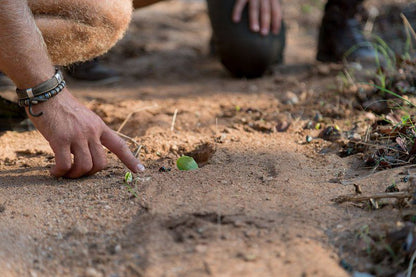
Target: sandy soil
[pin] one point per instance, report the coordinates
(260, 206)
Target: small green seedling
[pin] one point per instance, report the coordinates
(186, 163)
(128, 180)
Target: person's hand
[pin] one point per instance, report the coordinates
(264, 15)
(71, 128)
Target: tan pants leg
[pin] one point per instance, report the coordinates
(78, 30)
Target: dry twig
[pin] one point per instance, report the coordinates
(408, 25)
(131, 114)
(410, 268)
(132, 140)
(374, 174)
(172, 127)
(361, 198)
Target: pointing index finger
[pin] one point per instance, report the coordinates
(117, 145)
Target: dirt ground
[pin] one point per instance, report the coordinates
(260, 206)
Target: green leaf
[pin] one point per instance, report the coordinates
(128, 178)
(186, 163)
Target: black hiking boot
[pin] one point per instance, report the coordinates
(13, 117)
(340, 34)
(5, 82)
(92, 71)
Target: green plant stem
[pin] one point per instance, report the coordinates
(410, 268)
(393, 93)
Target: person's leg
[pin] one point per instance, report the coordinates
(137, 4)
(73, 31)
(5, 82)
(93, 70)
(79, 30)
(243, 52)
(340, 33)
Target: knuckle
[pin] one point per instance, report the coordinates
(120, 143)
(63, 167)
(98, 167)
(85, 167)
(58, 142)
(91, 131)
(102, 164)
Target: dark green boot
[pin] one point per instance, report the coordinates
(340, 34)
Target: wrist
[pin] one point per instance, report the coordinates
(29, 79)
(47, 106)
(41, 93)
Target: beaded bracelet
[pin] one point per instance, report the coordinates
(41, 93)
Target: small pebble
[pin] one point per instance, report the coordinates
(330, 133)
(309, 139)
(247, 257)
(324, 69)
(354, 137)
(92, 272)
(164, 169)
(201, 248)
(309, 125)
(290, 98)
(282, 126)
(370, 116)
(253, 88)
(318, 117)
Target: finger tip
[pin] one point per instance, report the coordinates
(255, 28)
(140, 168)
(53, 172)
(264, 32)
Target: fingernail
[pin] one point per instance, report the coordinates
(256, 28)
(140, 167)
(264, 31)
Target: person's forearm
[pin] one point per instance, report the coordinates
(23, 55)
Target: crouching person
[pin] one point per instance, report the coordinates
(35, 35)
